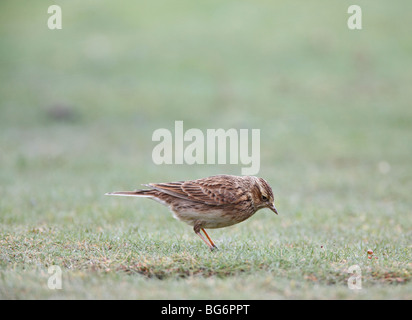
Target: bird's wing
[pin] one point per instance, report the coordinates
(216, 190)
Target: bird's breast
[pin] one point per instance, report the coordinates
(217, 217)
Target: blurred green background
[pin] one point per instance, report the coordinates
(78, 107)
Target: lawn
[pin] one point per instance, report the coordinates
(78, 107)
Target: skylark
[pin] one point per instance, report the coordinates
(209, 203)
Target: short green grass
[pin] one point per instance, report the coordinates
(78, 107)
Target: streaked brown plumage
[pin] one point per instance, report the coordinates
(213, 202)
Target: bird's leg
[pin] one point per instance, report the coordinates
(197, 229)
(211, 242)
(203, 238)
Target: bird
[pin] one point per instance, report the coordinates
(208, 203)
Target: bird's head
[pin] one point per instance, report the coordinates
(263, 195)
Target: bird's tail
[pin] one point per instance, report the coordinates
(136, 193)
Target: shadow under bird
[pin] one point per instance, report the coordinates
(209, 203)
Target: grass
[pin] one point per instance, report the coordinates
(78, 107)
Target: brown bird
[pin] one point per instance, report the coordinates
(213, 202)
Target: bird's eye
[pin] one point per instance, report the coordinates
(264, 198)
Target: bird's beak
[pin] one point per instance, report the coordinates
(272, 207)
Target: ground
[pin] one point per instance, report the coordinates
(79, 105)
